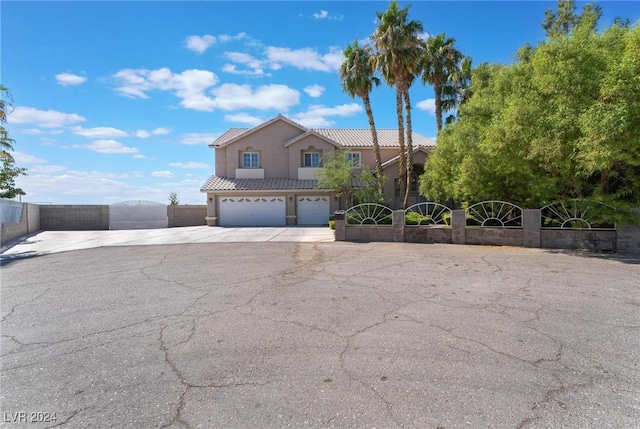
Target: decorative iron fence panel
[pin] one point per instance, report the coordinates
(496, 214)
(577, 214)
(369, 214)
(427, 214)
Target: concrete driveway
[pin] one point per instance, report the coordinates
(320, 335)
(45, 242)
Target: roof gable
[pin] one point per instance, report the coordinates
(235, 134)
(311, 133)
(397, 157)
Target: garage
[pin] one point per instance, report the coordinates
(313, 210)
(252, 211)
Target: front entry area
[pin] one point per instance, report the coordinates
(313, 210)
(252, 211)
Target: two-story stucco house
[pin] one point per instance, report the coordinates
(265, 176)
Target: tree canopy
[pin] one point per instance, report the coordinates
(8, 172)
(563, 121)
(354, 183)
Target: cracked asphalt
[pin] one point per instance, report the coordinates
(320, 335)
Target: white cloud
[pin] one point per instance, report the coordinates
(25, 158)
(198, 138)
(31, 131)
(200, 44)
(305, 58)
(99, 132)
(316, 116)
(256, 66)
(164, 173)
(314, 90)
(191, 164)
(43, 118)
(323, 14)
(68, 79)
(160, 131)
(62, 185)
(231, 96)
(109, 147)
(190, 85)
(143, 134)
(428, 105)
(244, 118)
(228, 38)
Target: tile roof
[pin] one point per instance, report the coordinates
(218, 183)
(361, 137)
(345, 137)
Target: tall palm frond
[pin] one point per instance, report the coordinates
(357, 73)
(398, 46)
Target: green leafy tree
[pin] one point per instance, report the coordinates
(563, 122)
(564, 19)
(173, 199)
(357, 74)
(8, 172)
(353, 184)
(398, 44)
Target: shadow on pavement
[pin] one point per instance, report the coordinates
(625, 258)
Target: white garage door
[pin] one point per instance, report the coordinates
(313, 210)
(252, 211)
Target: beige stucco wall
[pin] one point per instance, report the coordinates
(309, 143)
(269, 142)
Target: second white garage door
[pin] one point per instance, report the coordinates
(252, 211)
(313, 210)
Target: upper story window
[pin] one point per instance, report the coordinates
(250, 160)
(311, 159)
(353, 158)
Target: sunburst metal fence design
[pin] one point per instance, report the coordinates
(427, 214)
(577, 214)
(499, 214)
(369, 214)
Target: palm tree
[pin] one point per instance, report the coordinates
(357, 74)
(457, 90)
(440, 62)
(398, 43)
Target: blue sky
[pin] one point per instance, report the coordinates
(117, 101)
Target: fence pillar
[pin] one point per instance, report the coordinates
(458, 225)
(628, 238)
(341, 227)
(531, 223)
(398, 225)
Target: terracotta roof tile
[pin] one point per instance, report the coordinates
(218, 183)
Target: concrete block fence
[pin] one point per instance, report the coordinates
(625, 239)
(86, 217)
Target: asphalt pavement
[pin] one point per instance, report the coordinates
(319, 334)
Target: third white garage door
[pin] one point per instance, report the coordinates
(252, 211)
(313, 210)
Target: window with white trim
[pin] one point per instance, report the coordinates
(311, 159)
(250, 160)
(353, 158)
